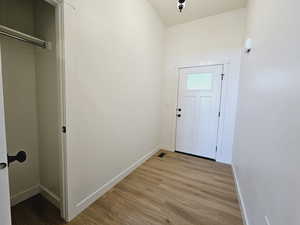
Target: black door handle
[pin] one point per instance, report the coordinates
(179, 115)
(20, 157)
(3, 166)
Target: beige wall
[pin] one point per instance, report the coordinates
(18, 64)
(266, 155)
(114, 56)
(48, 99)
(215, 39)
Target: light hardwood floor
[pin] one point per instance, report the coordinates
(177, 189)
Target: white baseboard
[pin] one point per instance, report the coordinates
(50, 196)
(240, 197)
(26, 194)
(224, 161)
(30, 192)
(110, 184)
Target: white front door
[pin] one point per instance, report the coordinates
(198, 110)
(4, 185)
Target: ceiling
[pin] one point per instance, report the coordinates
(195, 9)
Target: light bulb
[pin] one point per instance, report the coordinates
(181, 5)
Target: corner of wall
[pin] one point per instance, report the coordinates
(240, 196)
(50, 196)
(166, 148)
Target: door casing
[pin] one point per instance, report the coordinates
(224, 91)
(220, 69)
(59, 4)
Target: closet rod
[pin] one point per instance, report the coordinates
(23, 37)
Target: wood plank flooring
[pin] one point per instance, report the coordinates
(177, 189)
(36, 211)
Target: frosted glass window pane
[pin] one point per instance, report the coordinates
(201, 81)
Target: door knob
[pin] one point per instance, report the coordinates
(178, 115)
(20, 157)
(3, 166)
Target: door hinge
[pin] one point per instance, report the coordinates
(216, 148)
(219, 114)
(64, 129)
(222, 76)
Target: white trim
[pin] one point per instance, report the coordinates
(63, 206)
(35, 190)
(224, 98)
(240, 197)
(50, 196)
(61, 76)
(110, 184)
(219, 63)
(24, 195)
(59, 23)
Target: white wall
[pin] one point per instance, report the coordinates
(18, 64)
(266, 155)
(48, 99)
(216, 39)
(114, 56)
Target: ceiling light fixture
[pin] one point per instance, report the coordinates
(181, 5)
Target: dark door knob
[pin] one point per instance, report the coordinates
(20, 157)
(179, 115)
(3, 166)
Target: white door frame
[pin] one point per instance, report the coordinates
(59, 23)
(224, 92)
(63, 178)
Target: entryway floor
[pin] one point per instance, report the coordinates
(176, 189)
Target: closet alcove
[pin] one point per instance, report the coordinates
(31, 98)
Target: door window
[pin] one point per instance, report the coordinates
(202, 81)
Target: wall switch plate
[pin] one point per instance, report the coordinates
(267, 220)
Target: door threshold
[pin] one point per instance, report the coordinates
(197, 156)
